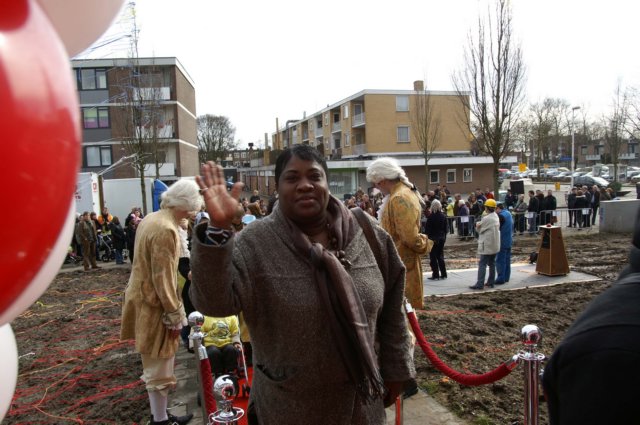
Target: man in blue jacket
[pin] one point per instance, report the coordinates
(503, 259)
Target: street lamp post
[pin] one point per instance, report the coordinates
(573, 142)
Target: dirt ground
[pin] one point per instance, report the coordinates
(73, 368)
(474, 333)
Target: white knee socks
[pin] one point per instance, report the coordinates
(158, 403)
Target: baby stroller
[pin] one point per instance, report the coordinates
(105, 247)
(72, 257)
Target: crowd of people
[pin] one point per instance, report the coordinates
(326, 280)
(95, 233)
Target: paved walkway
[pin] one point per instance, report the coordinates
(523, 275)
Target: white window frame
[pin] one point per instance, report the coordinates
(467, 175)
(345, 111)
(347, 139)
(451, 170)
(398, 134)
(402, 103)
(437, 180)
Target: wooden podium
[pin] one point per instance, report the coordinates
(552, 257)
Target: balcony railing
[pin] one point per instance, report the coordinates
(336, 126)
(319, 132)
(162, 132)
(593, 157)
(152, 93)
(359, 149)
(357, 120)
(628, 156)
(166, 169)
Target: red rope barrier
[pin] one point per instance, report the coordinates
(471, 380)
(207, 386)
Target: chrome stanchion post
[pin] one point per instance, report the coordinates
(224, 391)
(531, 337)
(196, 319)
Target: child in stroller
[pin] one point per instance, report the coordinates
(104, 248)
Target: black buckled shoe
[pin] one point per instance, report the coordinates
(180, 420)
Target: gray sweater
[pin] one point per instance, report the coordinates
(298, 374)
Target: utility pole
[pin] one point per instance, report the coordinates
(573, 142)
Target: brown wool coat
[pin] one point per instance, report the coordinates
(401, 218)
(298, 374)
(152, 298)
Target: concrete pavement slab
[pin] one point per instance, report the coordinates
(523, 275)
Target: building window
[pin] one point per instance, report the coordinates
(319, 122)
(95, 117)
(345, 111)
(631, 148)
(434, 176)
(451, 176)
(403, 134)
(583, 150)
(97, 156)
(402, 103)
(347, 139)
(597, 150)
(467, 175)
(326, 119)
(92, 79)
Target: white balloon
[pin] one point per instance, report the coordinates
(80, 22)
(9, 361)
(47, 272)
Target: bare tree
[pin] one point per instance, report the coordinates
(215, 137)
(491, 85)
(616, 126)
(632, 96)
(426, 125)
(141, 114)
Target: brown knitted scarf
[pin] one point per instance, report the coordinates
(347, 318)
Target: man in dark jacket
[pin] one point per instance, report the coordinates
(532, 212)
(591, 377)
(548, 205)
(595, 203)
(510, 199)
(571, 205)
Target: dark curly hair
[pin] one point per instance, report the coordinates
(304, 152)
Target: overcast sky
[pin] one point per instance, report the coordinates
(255, 60)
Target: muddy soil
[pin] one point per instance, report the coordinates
(474, 333)
(74, 369)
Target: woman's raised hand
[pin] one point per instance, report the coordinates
(220, 203)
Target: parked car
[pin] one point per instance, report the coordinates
(563, 176)
(590, 181)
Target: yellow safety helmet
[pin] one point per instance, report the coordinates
(491, 203)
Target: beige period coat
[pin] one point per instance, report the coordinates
(401, 218)
(152, 299)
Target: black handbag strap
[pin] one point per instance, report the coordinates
(367, 229)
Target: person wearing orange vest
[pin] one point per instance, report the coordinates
(105, 219)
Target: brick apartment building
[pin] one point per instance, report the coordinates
(104, 85)
(353, 132)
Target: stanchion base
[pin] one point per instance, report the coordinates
(226, 417)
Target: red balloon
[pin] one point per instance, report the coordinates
(40, 149)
